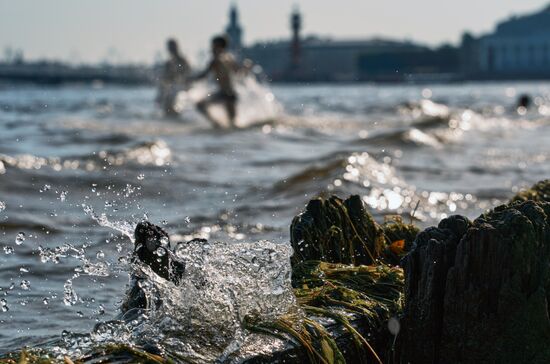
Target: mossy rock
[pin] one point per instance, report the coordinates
(111, 353)
(342, 231)
(538, 192)
(399, 239)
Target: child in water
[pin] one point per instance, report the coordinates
(173, 78)
(223, 66)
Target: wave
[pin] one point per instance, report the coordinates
(378, 182)
(155, 153)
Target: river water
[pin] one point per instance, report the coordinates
(81, 165)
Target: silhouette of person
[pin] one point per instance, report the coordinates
(173, 78)
(223, 67)
(524, 101)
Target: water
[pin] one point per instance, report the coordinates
(80, 166)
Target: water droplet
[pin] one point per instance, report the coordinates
(63, 196)
(101, 310)
(8, 250)
(100, 254)
(46, 300)
(80, 314)
(129, 190)
(164, 241)
(119, 248)
(394, 326)
(69, 295)
(141, 176)
(187, 219)
(20, 238)
(2, 206)
(25, 284)
(24, 270)
(4, 305)
(45, 188)
(160, 252)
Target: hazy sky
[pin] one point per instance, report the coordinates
(90, 30)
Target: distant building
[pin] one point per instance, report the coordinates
(234, 31)
(350, 60)
(518, 48)
(315, 59)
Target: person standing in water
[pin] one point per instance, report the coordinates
(173, 78)
(223, 67)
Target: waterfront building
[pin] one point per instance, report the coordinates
(518, 48)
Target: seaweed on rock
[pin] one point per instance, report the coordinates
(399, 239)
(538, 192)
(342, 231)
(346, 308)
(339, 273)
(336, 231)
(111, 353)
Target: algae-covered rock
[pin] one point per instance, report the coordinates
(479, 292)
(336, 231)
(399, 239)
(110, 353)
(538, 192)
(340, 271)
(346, 310)
(342, 231)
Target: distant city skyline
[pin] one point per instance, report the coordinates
(135, 30)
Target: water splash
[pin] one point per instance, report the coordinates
(201, 319)
(69, 295)
(25, 285)
(20, 238)
(257, 103)
(124, 227)
(4, 305)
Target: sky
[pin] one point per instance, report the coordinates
(135, 30)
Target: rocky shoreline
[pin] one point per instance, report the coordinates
(462, 292)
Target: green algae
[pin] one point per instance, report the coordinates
(539, 192)
(120, 353)
(344, 268)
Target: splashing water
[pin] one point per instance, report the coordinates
(201, 318)
(69, 295)
(4, 305)
(25, 285)
(20, 238)
(256, 103)
(124, 227)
